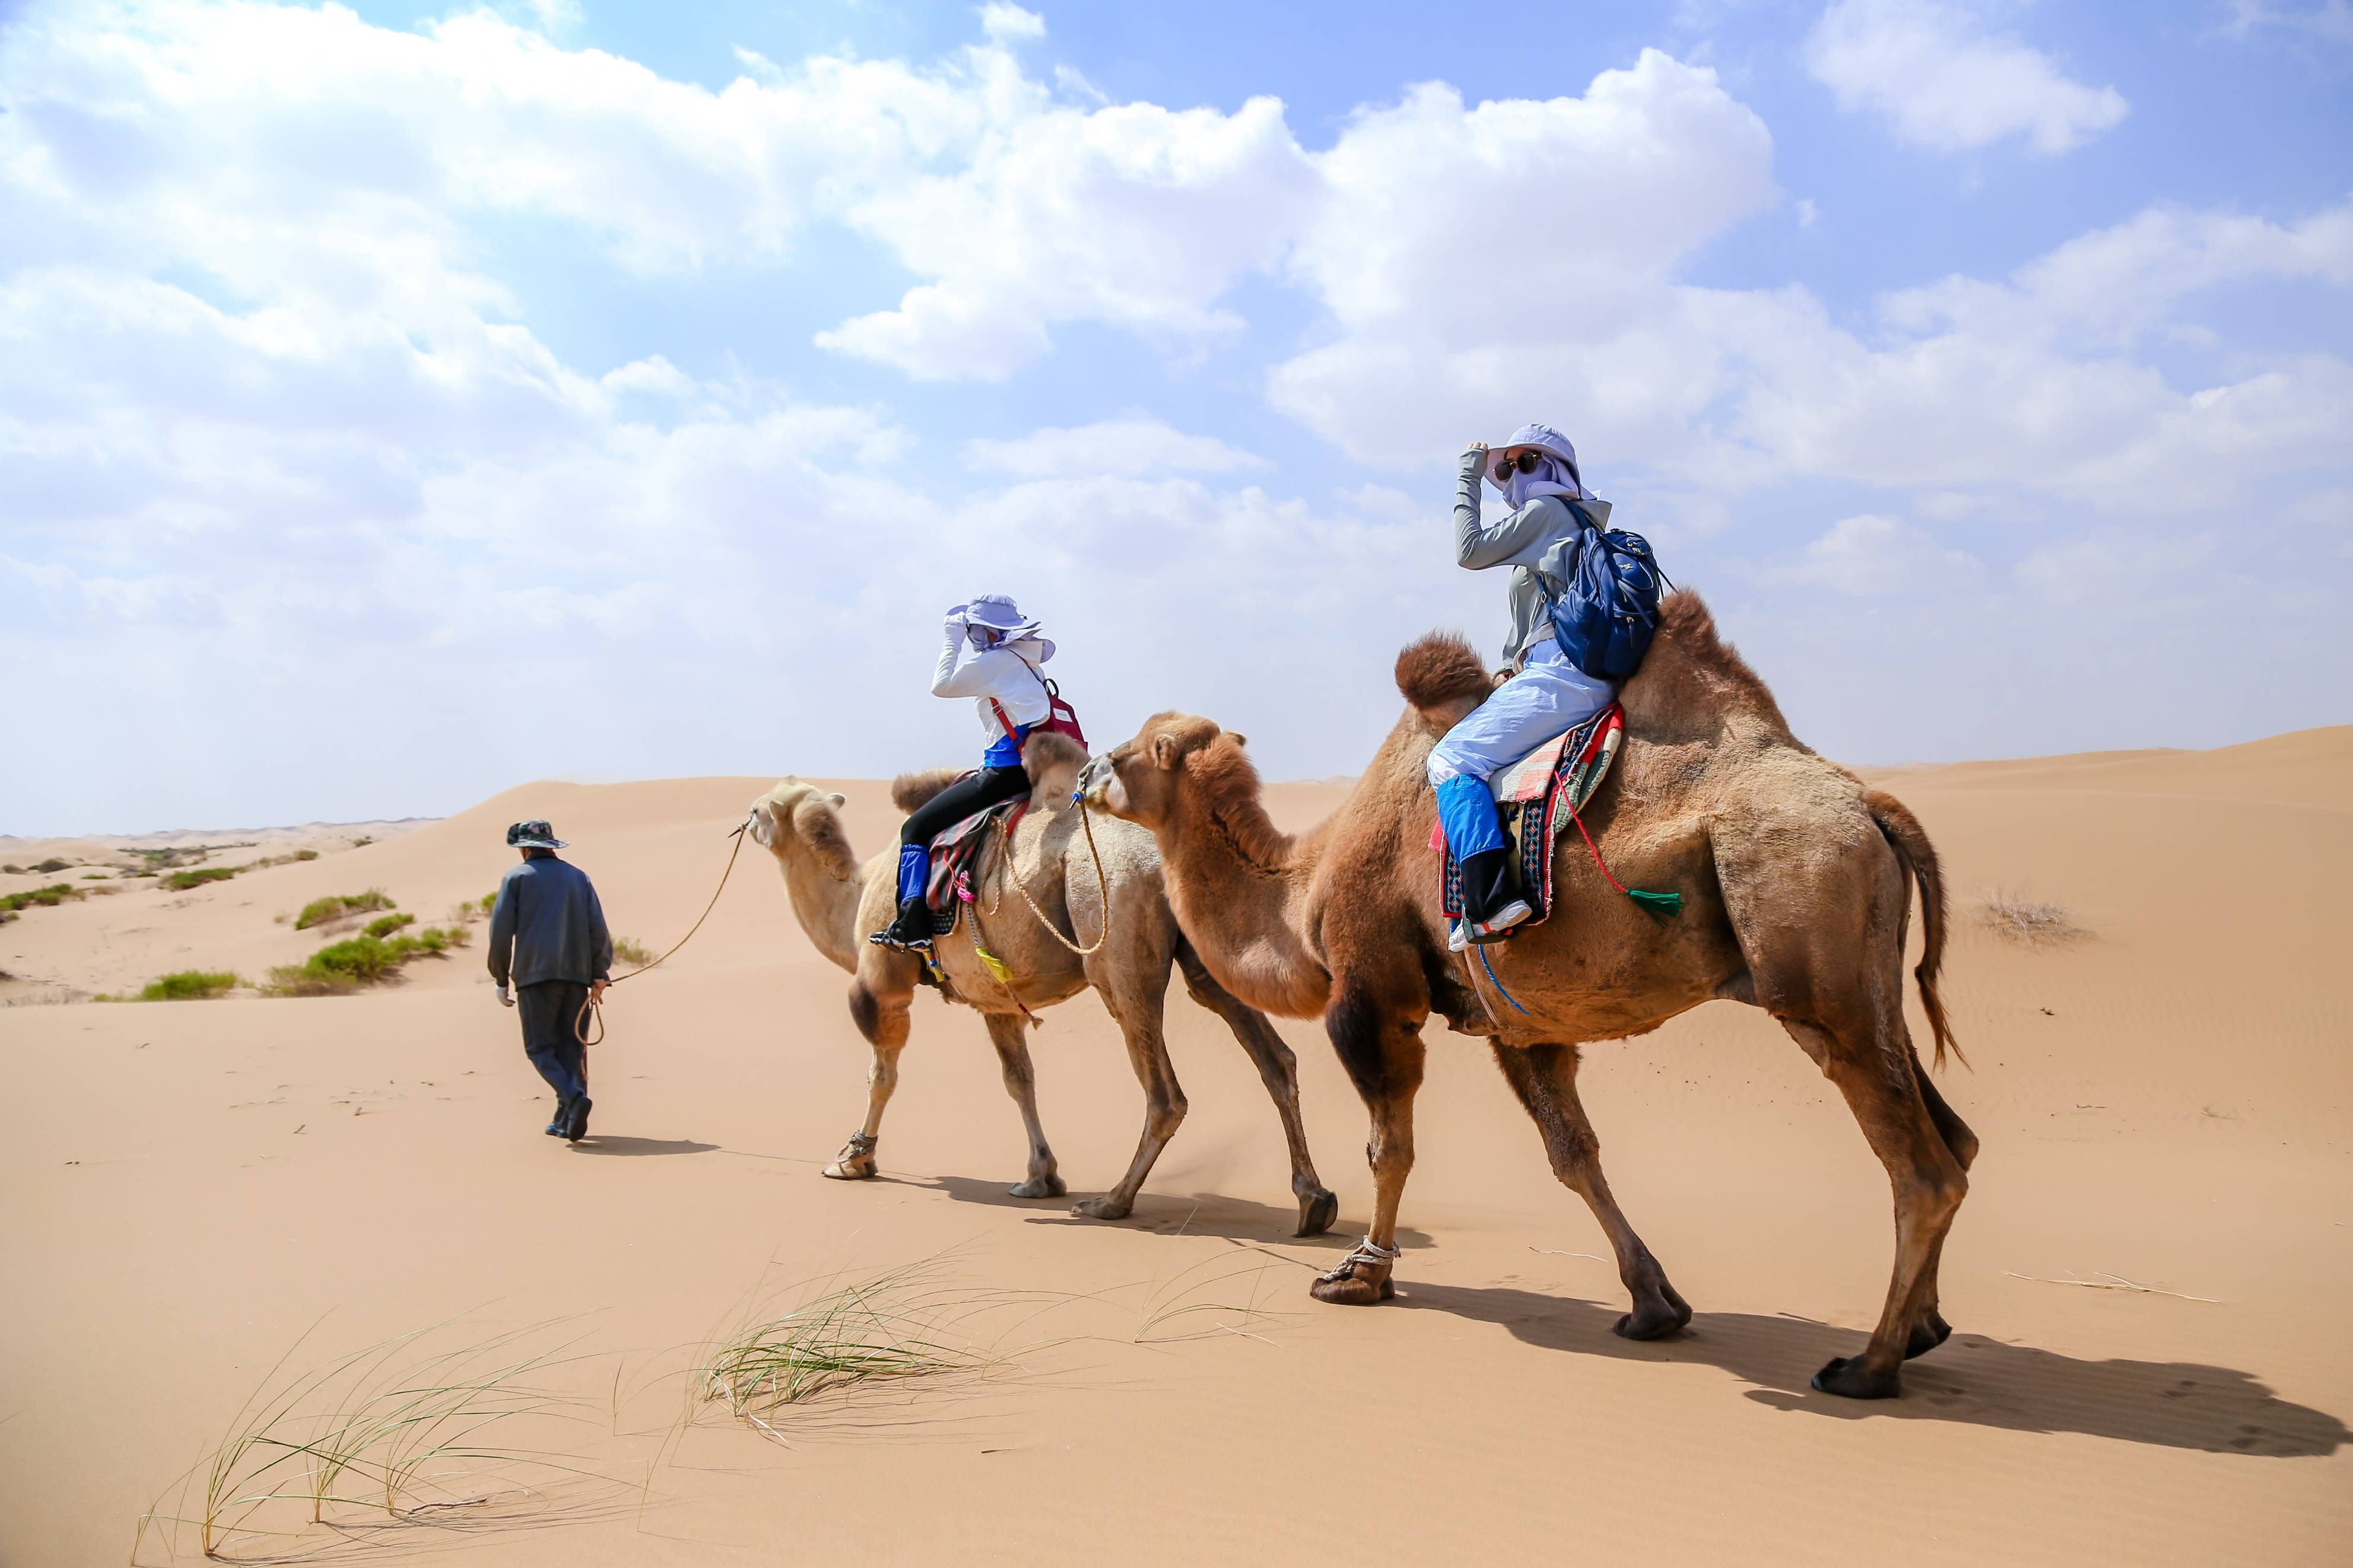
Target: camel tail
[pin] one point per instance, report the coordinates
(1918, 858)
(1442, 678)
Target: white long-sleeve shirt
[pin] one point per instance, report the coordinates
(1003, 673)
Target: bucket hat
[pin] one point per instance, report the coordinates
(533, 835)
(1543, 438)
(998, 613)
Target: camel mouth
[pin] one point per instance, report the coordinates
(1095, 783)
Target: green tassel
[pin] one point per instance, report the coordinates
(1657, 906)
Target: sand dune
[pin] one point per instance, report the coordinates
(196, 1186)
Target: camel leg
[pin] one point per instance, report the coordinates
(1544, 1078)
(1380, 1044)
(1010, 1035)
(1931, 1329)
(883, 1018)
(1278, 1070)
(1928, 1183)
(1134, 990)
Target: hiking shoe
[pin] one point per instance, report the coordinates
(909, 932)
(1500, 926)
(576, 1127)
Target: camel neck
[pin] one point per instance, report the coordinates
(1238, 884)
(825, 903)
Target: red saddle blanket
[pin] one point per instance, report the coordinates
(1535, 797)
(956, 859)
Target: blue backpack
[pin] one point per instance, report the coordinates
(1602, 589)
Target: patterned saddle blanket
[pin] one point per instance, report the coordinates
(956, 859)
(1535, 797)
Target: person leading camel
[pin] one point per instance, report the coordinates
(1548, 695)
(991, 654)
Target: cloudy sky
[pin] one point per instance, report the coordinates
(398, 402)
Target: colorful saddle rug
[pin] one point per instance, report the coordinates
(956, 859)
(1535, 797)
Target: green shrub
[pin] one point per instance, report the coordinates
(189, 986)
(456, 936)
(48, 898)
(12, 871)
(181, 881)
(362, 958)
(318, 911)
(368, 959)
(306, 854)
(46, 867)
(93, 876)
(629, 950)
(385, 925)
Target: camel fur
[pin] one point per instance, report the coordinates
(840, 902)
(1796, 879)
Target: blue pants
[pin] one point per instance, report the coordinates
(1550, 697)
(550, 1010)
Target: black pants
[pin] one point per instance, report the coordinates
(550, 1036)
(960, 800)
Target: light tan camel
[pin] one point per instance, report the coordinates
(1794, 878)
(838, 903)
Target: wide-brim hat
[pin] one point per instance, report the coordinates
(1538, 437)
(999, 614)
(533, 834)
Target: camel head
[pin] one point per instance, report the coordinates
(1138, 779)
(798, 813)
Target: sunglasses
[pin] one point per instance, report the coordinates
(1525, 462)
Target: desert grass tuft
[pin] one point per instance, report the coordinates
(189, 986)
(2030, 922)
(385, 925)
(319, 911)
(393, 1427)
(181, 881)
(48, 898)
(629, 950)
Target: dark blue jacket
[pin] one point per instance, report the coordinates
(548, 913)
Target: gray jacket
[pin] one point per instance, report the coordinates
(548, 914)
(1518, 540)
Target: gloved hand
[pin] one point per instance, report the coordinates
(506, 998)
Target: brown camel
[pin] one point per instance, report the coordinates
(838, 903)
(1795, 882)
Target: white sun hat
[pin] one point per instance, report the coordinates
(1553, 444)
(999, 614)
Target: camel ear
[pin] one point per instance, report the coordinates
(1165, 754)
(1240, 739)
(838, 799)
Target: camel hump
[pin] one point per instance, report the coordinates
(913, 792)
(1441, 675)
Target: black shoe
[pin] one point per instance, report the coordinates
(556, 1128)
(910, 931)
(575, 1126)
(1492, 902)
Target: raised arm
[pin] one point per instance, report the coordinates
(1514, 539)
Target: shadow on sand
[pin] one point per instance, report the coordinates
(1201, 1214)
(1972, 1379)
(599, 1144)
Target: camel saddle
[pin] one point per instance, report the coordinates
(956, 859)
(1537, 797)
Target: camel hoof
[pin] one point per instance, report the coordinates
(1101, 1208)
(1929, 1332)
(1039, 1187)
(1848, 1378)
(1653, 1320)
(855, 1169)
(1354, 1290)
(1317, 1213)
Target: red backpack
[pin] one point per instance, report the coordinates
(1060, 717)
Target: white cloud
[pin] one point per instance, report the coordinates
(1946, 81)
(1874, 555)
(1009, 22)
(1136, 445)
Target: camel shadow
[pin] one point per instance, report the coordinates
(599, 1144)
(1200, 1213)
(1970, 1379)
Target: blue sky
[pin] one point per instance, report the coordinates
(398, 402)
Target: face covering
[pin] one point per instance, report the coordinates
(1552, 477)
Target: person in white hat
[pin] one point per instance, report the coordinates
(1548, 695)
(991, 654)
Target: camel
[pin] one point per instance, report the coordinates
(840, 903)
(1796, 879)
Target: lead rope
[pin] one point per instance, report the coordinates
(1103, 886)
(580, 1023)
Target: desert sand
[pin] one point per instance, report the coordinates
(198, 1189)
